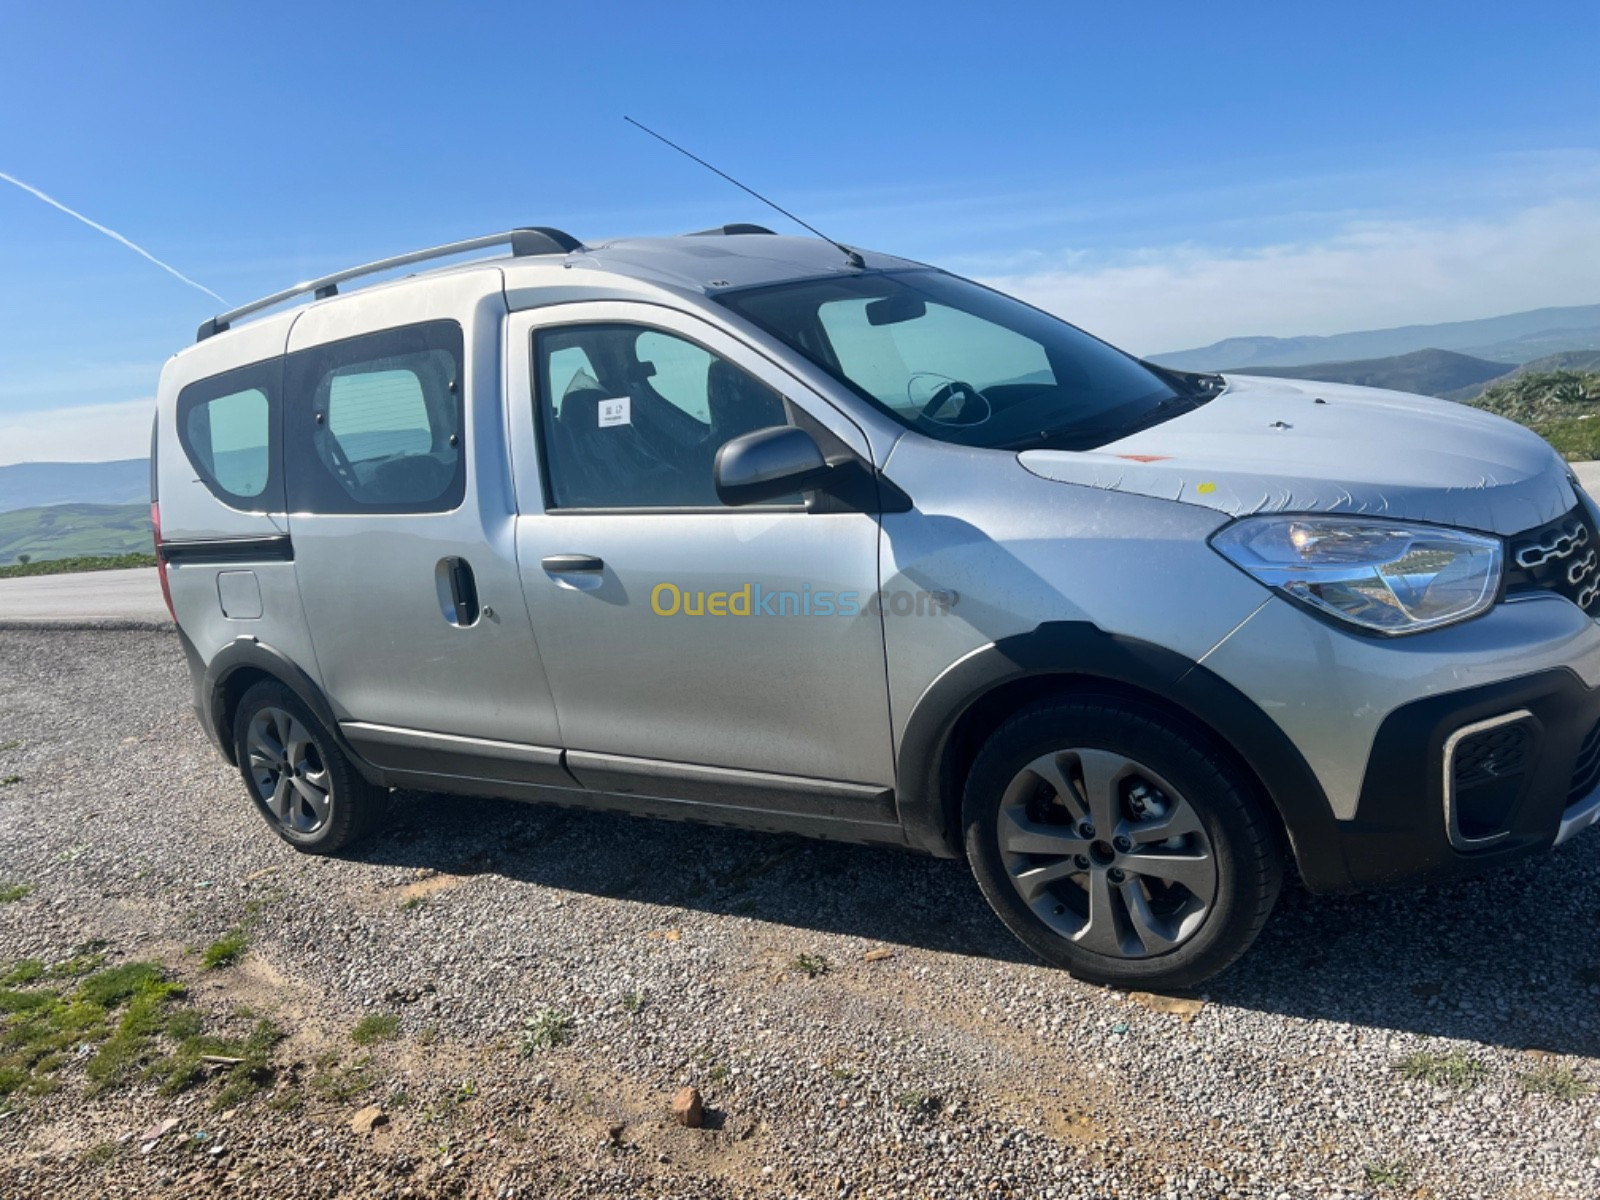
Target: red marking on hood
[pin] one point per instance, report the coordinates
(1146, 457)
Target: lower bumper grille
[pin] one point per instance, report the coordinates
(1586, 774)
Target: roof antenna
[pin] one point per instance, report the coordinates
(850, 255)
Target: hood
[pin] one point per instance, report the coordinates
(1277, 445)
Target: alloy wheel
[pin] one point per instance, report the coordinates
(1106, 853)
(288, 770)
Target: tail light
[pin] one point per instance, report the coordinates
(161, 562)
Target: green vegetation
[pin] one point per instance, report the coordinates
(15, 892)
(1457, 1070)
(810, 965)
(82, 532)
(339, 1082)
(226, 950)
(69, 566)
(545, 1030)
(375, 1027)
(123, 1023)
(1390, 1172)
(1555, 1081)
(1563, 407)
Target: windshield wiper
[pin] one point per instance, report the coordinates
(1099, 435)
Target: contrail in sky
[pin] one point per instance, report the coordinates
(111, 233)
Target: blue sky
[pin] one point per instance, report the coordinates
(1162, 174)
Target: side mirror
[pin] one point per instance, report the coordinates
(766, 464)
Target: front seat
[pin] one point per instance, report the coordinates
(608, 467)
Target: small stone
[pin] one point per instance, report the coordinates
(614, 1130)
(878, 955)
(674, 935)
(687, 1109)
(160, 1130)
(368, 1119)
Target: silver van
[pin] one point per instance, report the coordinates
(760, 530)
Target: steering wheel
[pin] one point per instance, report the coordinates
(955, 390)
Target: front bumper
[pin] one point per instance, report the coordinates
(1509, 700)
(1469, 780)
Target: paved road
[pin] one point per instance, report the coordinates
(135, 596)
(132, 596)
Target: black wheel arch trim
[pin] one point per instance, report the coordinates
(251, 653)
(930, 812)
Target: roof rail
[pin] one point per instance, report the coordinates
(538, 239)
(733, 230)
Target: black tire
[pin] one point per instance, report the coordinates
(1233, 831)
(352, 808)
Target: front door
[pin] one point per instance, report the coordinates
(404, 543)
(731, 655)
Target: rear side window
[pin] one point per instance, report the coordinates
(228, 427)
(375, 423)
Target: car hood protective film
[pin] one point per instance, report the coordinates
(1276, 445)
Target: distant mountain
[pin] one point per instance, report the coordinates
(1567, 360)
(1426, 372)
(69, 530)
(1515, 338)
(29, 485)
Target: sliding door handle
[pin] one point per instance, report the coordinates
(567, 564)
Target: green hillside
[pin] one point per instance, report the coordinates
(1563, 407)
(74, 530)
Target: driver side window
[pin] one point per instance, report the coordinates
(639, 423)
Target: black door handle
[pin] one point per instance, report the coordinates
(463, 591)
(568, 563)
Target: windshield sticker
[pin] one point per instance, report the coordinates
(615, 412)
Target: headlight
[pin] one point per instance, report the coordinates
(1388, 576)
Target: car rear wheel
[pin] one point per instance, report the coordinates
(1119, 843)
(301, 782)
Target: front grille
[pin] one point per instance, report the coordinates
(1586, 775)
(1561, 557)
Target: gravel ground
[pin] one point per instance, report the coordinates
(947, 1064)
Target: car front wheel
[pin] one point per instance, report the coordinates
(1120, 843)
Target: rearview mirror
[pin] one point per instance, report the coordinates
(766, 464)
(892, 310)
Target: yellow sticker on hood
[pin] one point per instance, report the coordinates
(1204, 488)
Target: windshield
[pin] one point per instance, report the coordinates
(959, 362)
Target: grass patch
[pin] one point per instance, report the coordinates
(1556, 1081)
(81, 562)
(413, 903)
(634, 1002)
(338, 1082)
(1456, 1070)
(15, 892)
(8, 746)
(226, 950)
(375, 1027)
(810, 965)
(10, 780)
(918, 1103)
(545, 1030)
(123, 1023)
(1387, 1172)
(23, 971)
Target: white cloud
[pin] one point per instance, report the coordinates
(81, 433)
(1366, 276)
